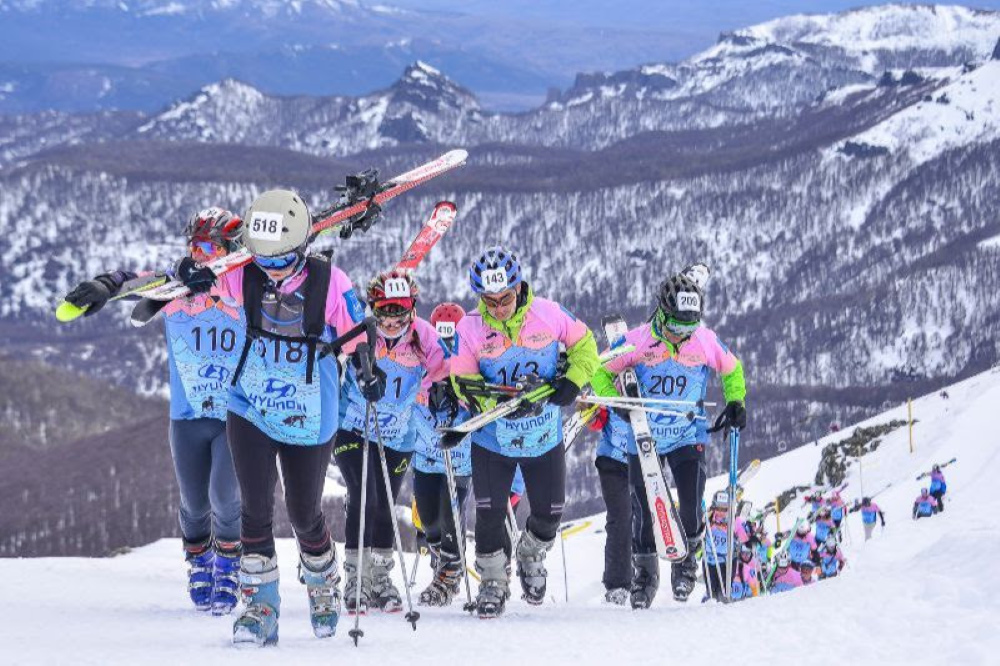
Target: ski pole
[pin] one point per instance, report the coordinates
(411, 615)
(562, 546)
(626, 401)
(459, 530)
(512, 529)
(356, 632)
(413, 572)
(734, 454)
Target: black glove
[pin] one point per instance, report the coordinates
(565, 392)
(451, 439)
(527, 409)
(94, 294)
(196, 278)
(733, 416)
(372, 389)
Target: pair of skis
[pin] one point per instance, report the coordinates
(941, 465)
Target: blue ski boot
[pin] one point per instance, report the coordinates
(257, 626)
(200, 558)
(322, 582)
(225, 591)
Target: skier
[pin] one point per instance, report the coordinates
(925, 505)
(716, 543)
(759, 540)
(746, 574)
(201, 334)
(815, 501)
(512, 335)
(806, 572)
(824, 524)
(408, 353)
(612, 471)
(837, 510)
(831, 558)
(802, 547)
(785, 577)
(938, 487)
(283, 403)
(869, 511)
(672, 358)
(435, 408)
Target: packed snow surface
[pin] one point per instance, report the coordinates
(919, 591)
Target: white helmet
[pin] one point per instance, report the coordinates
(276, 223)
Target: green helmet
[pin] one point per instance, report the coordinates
(277, 222)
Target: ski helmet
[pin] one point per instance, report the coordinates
(806, 566)
(783, 559)
(720, 499)
(679, 305)
(445, 318)
(824, 512)
(936, 468)
(215, 225)
(392, 293)
(803, 529)
(831, 541)
(746, 552)
(866, 501)
(496, 270)
(924, 491)
(277, 223)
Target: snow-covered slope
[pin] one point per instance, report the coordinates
(918, 589)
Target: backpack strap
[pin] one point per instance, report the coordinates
(253, 296)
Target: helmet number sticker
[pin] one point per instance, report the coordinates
(688, 301)
(446, 329)
(397, 288)
(495, 279)
(265, 226)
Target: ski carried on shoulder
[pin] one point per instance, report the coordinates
(671, 543)
(364, 194)
(135, 287)
(941, 465)
(434, 228)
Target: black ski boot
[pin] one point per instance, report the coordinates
(645, 580)
(445, 584)
(684, 574)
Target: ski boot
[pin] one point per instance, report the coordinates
(257, 626)
(494, 584)
(225, 574)
(684, 574)
(531, 566)
(617, 596)
(645, 580)
(322, 582)
(201, 559)
(353, 559)
(447, 579)
(385, 596)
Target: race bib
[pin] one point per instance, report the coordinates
(688, 301)
(397, 288)
(495, 279)
(445, 329)
(265, 226)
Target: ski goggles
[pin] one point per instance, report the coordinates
(394, 309)
(277, 263)
(502, 302)
(207, 248)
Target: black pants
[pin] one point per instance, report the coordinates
(378, 507)
(545, 486)
(617, 545)
(939, 496)
(687, 464)
(303, 469)
(434, 506)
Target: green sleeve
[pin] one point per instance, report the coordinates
(733, 385)
(583, 360)
(603, 382)
(484, 404)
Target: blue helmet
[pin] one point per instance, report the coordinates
(496, 270)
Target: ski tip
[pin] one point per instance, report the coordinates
(68, 312)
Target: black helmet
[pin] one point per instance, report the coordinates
(866, 500)
(679, 304)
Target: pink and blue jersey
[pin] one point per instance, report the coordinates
(836, 504)
(416, 360)
(745, 579)
(785, 581)
(938, 483)
(427, 455)
(272, 392)
(869, 513)
(830, 563)
(801, 548)
(823, 528)
(204, 338)
(676, 374)
(615, 436)
(486, 351)
(716, 546)
(924, 505)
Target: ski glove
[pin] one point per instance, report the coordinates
(372, 389)
(565, 392)
(527, 409)
(94, 294)
(733, 416)
(195, 277)
(450, 440)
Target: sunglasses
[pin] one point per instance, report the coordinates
(501, 302)
(278, 263)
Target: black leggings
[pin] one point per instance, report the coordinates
(687, 464)
(303, 470)
(378, 508)
(545, 486)
(434, 506)
(617, 545)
